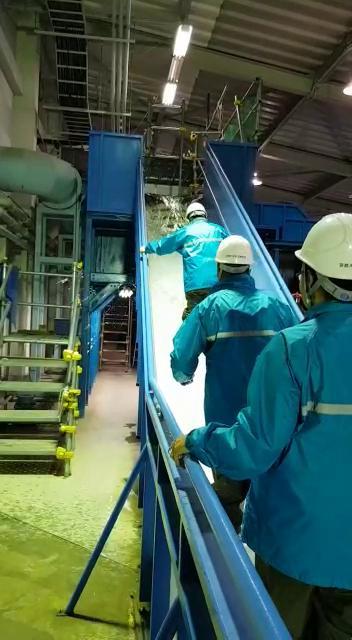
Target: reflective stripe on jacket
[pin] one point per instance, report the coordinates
(231, 327)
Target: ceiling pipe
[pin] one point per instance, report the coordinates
(113, 66)
(79, 36)
(98, 112)
(119, 65)
(126, 63)
(54, 181)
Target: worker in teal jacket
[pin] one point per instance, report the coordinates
(197, 242)
(231, 327)
(294, 440)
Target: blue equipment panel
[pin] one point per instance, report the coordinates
(237, 160)
(112, 173)
(222, 200)
(289, 221)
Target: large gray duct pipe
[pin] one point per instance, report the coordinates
(54, 181)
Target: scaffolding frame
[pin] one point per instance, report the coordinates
(214, 129)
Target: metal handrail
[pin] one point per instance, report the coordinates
(253, 602)
(5, 304)
(46, 274)
(45, 305)
(75, 307)
(5, 280)
(4, 313)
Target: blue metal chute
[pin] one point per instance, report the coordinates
(238, 605)
(195, 573)
(223, 201)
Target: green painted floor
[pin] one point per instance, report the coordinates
(49, 525)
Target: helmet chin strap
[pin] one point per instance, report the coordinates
(229, 269)
(196, 214)
(309, 285)
(337, 292)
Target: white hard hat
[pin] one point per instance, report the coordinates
(327, 249)
(195, 209)
(234, 250)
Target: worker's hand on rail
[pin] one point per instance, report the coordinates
(142, 250)
(178, 450)
(183, 378)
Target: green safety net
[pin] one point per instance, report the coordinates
(248, 116)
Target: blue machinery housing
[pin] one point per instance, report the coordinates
(195, 572)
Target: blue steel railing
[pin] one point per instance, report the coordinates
(195, 573)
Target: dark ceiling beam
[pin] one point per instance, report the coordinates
(308, 159)
(269, 193)
(279, 78)
(8, 61)
(325, 183)
(320, 76)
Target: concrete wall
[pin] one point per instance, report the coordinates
(8, 46)
(6, 100)
(19, 81)
(19, 90)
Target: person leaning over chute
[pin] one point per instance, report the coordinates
(197, 242)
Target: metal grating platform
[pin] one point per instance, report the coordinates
(33, 388)
(38, 338)
(30, 416)
(35, 363)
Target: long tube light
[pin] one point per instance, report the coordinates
(181, 44)
(256, 180)
(348, 89)
(175, 69)
(169, 93)
(182, 40)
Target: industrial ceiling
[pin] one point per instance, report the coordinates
(301, 49)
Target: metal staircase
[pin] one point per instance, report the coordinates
(116, 335)
(39, 387)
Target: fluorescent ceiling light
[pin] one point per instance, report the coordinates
(169, 93)
(348, 89)
(182, 40)
(125, 292)
(175, 70)
(256, 181)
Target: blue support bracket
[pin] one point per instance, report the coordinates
(161, 578)
(170, 623)
(70, 607)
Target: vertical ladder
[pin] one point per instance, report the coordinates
(116, 336)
